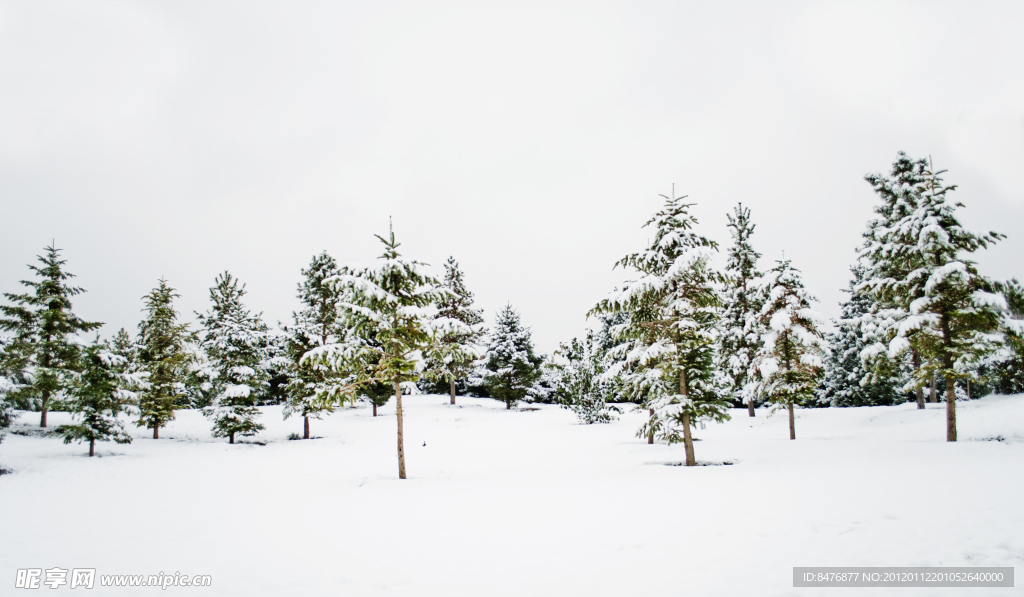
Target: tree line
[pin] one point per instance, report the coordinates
(680, 340)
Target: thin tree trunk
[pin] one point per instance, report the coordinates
(792, 423)
(45, 408)
(919, 391)
(92, 447)
(650, 434)
(750, 407)
(375, 409)
(687, 438)
(508, 405)
(451, 386)
(232, 440)
(401, 443)
(691, 460)
(933, 397)
(947, 362)
(950, 410)
(156, 432)
(968, 389)
(305, 427)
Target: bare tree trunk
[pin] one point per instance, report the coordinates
(916, 359)
(950, 410)
(305, 427)
(375, 409)
(156, 432)
(750, 407)
(232, 440)
(933, 397)
(650, 434)
(947, 363)
(44, 408)
(451, 386)
(792, 422)
(401, 443)
(508, 405)
(92, 447)
(691, 460)
(687, 438)
(968, 389)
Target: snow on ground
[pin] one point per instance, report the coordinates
(523, 502)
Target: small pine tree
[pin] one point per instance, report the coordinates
(511, 367)
(788, 367)
(100, 395)
(1006, 367)
(45, 330)
(578, 385)
(319, 323)
(848, 382)
(452, 356)
(163, 357)
(235, 341)
(742, 301)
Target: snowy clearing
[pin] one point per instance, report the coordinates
(523, 502)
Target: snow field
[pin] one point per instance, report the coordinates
(523, 502)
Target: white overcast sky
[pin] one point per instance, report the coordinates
(530, 140)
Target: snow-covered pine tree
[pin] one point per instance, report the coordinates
(847, 381)
(1007, 366)
(126, 347)
(899, 195)
(510, 365)
(788, 367)
(452, 356)
(578, 385)
(9, 379)
(101, 393)
(391, 311)
(742, 300)
(670, 341)
(235, 340)
(943, 306)
(45, 332)
(318, 323)
(163, 357)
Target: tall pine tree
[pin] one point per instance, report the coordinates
(391, 310)
(673, 310)
(789, 365)
(742, 300)
(452, 356)
(162, 355)
(941, 306)
(45, 331)
(235, 340)
(318, 323)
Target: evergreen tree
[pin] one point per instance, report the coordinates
(670, 341)
(578, 385)
(511, 367)
(100, 395)
(742, 300)
(899, 195)
(126, 347)
(9, 375)
(1006, 368)
(452, 356)
(788, 367)
(942, 307)
(163, 357)
(847, 380)
(45, 345)
(235, 341)
(319, 323)
(391, 313)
